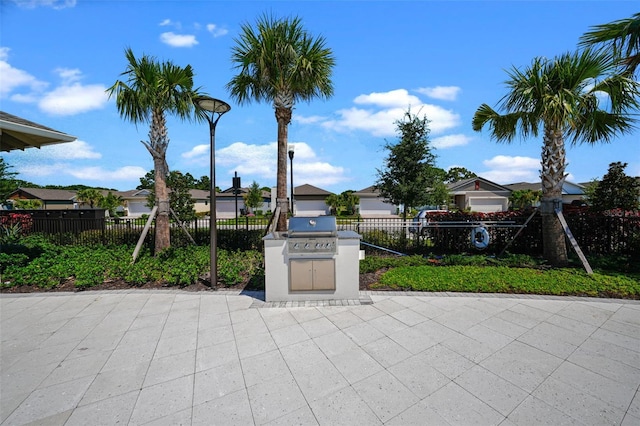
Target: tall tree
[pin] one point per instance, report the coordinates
(455, 174)
(90, 196)
(409, 174)
(622, 37)
(616, 190)
(111, 202)
(180, 198)
(279, 62)
(253, 198)
(8, 183)
(151, 90)
(561, 95)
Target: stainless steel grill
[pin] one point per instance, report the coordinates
(312, 236)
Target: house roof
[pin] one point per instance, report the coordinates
(470, 185)
(45, 194)
(18, 133)
(568, 188)
(307, 189)
(369, 191)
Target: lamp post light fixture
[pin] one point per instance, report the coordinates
(291, 152)
(216, 107)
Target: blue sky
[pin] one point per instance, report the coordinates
(440, 59)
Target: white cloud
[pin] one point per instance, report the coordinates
(165, 23)
(216, 31)
(392, 99)
(68, 151)
(197, 152)
(504, 169)
(71, 97)
(178, 40)
(444, 93)
(55, 4)
(385, 109)
(256, 162)
(449, 141)
(14, 79)
(101, 174)
(74, 99)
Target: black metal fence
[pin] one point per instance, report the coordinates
(596, 234)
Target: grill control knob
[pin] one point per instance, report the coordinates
(306, 246)
(318, 245)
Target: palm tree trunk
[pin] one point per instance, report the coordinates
(553, 175)
(163, 233)
(283, 115)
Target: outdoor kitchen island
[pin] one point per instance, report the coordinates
(312, 261)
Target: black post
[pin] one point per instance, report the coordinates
(291, 152)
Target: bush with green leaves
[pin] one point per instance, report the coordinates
(88, 267)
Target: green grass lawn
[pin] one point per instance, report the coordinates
(617, 277)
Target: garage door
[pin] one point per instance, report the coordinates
(486, 205)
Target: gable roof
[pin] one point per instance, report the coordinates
(307, 189)
(568, 188)
(18, 133)
(470, 185)
(44, 194)
(369, 191)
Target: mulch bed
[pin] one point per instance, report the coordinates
(366, 281)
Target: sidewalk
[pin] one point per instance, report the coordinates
(171, 357)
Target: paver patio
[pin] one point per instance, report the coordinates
(171, 357)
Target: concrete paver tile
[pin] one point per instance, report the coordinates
(289, 335)
(170, 367)
(254, 345)
(363, 333)
(116, 410)
(230, 410)
(621, 371)
(217, 382)
(356, 364)
(446, 361)
(213, 356)
(48, 401)
(386, 351)
(419, 414)
(493, 390)
(385, 395)
(318, 327)
(264, 368)
(344, 408)
(274, 399)
(111, 383)
(577, 404)
(418, 376)
(299, 355)
(610, 391)
(163, 399)
(335, 343)
(459, 407)
(214, 336)
(534, 411)
(522, 365)
(319, 379)
(302, 416)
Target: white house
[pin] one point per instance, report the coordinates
(373, 205)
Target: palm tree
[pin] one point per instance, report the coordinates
(89, 196)
(279, 62)
(151, 90)
(577, 96)
(622, 37)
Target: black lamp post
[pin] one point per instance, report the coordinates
(291, 152)
(214, 106)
